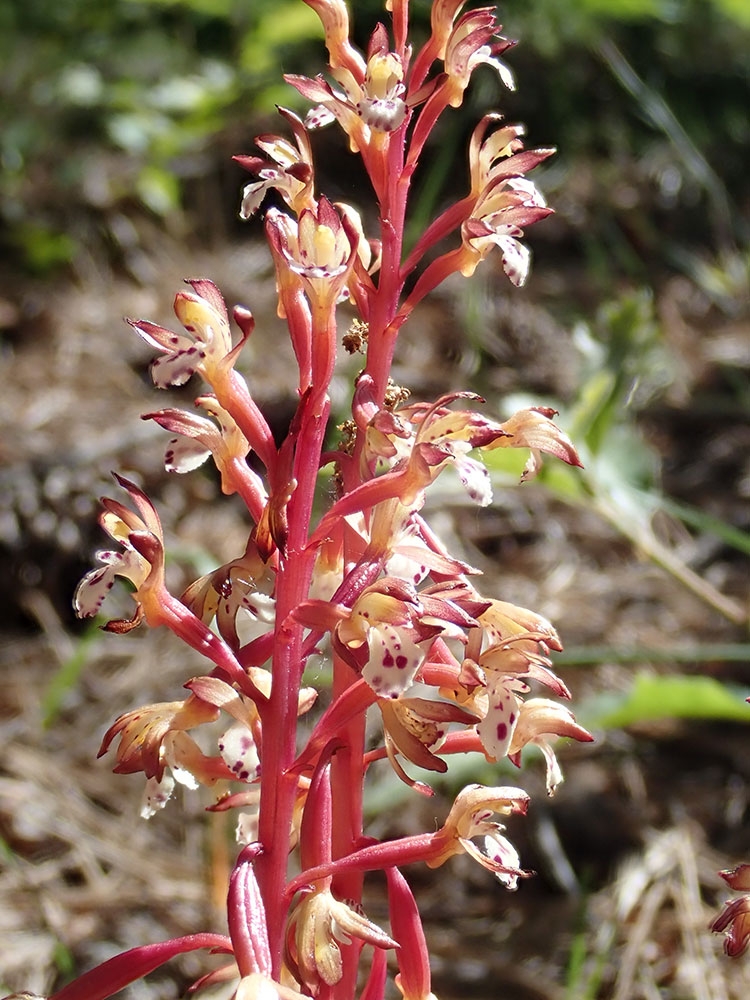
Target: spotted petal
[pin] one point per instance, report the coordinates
(184, 455)
(498, 855)
(393, 661)
(496, 729)
(156, 794)
(475, 479)
(178, 367)
(240, 753)
(97, 583)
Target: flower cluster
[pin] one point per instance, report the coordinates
(367, 584)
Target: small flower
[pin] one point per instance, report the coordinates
(414, 725)
(507, 651)
(204, 316)
(141, 561)
(319, 248)
(735, 917)
(317, 925)
(380, 636)
(534, 428)
(421, 439)
(387, 631)
(462, 45)
(239, 595)
(382, 106)
(206, 349)
(498, 155)
(154, 737)
(500, 203)
(498, 224)
(538, 720)
(502, 621)
(370, 104)
(143, 732)
(445, 437)
(469, 818)
(470, 44)
(199, 437)
(438, 437)
(506, 201)
(288, 170)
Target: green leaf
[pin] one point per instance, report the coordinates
(63, 959)
(675, 697)
(44, 249)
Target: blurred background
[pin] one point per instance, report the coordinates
(117, 126)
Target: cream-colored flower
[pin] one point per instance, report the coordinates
(317, 926)
(470, 818)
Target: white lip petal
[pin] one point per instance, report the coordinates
(156, 795)
(93, 590)
(516, 260)
(496, 728)
(475, 479)
(176, 369)
(237, 748)
(184, 454)
(393, 662)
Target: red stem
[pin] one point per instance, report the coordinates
(278, 788)
(381, 336)
(374, 857)
(113, 975)
(347, 779)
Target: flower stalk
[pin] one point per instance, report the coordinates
(366, 583)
